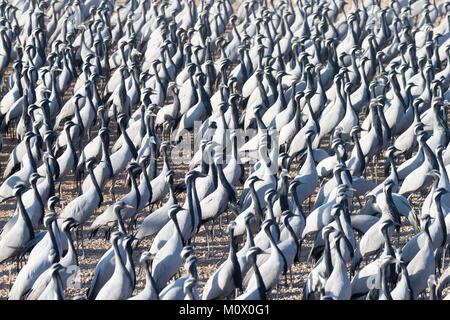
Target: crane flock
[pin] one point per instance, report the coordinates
(308, 133)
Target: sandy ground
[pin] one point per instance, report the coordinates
(94, 248)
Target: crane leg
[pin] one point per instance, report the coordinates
(9, 278)
(443, 259)
(108, 234)
(375, 169)
(130, 226)
(446, 250)
(211, 238)
(135, 222)
(207, 239)
(111, 190)
(291, 278)
(80, 240)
